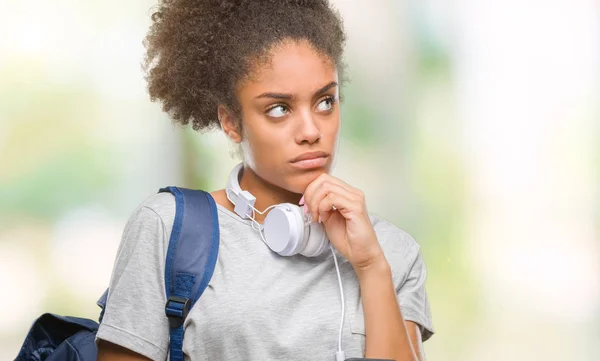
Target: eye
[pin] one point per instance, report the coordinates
(278, 111)
(326, 104)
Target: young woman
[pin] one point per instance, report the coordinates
(268, 73)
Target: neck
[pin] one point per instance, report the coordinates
(266, 193)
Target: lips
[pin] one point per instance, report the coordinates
(310, 160)
(309, 155)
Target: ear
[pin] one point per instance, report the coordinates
(229, 124)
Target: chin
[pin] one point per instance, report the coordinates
(299, 182)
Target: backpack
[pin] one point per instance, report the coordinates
(191, 258)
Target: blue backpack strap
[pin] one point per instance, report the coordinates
(191, 258)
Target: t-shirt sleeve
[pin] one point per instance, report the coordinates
(408, 273)
(412, 296)
(134, 317)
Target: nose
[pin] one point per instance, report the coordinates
(308, 130)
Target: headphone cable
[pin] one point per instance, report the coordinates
(339, 355)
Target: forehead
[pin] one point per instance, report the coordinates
(291, 67)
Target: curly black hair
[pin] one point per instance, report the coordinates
(198, 51)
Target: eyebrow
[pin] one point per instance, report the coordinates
(290, 96)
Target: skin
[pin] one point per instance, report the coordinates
(289, 107)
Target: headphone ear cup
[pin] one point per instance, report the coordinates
(317, 241)
(284, 229)
(287, 233)
(303, 232)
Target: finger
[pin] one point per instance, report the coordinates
(348, 187)
(310, 191)
(325, 177)
(314, 185)
(326, 188)
(318, 182)
(343, 204)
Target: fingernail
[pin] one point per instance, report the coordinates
(305, 208)
(319, 219)
(301, 201)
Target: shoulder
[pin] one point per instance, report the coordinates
(155, 211)
(392, 237)
(161, 205)
(399, 247)
(152, 219)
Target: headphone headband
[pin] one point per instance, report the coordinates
(243, 200)
(233, 181)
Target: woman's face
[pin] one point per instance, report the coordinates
(290, 116)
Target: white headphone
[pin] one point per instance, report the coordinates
(287, 230)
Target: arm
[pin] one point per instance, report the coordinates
(134, 317)
(388, 335)
(342, 210)
(414, 332)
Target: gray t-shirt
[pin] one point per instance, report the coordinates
(258, 305)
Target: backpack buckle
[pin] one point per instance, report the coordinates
(177, 309)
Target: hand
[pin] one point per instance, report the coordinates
(343, 211)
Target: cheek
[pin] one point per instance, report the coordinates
(330, 131)
(333, 127)
(261, 142)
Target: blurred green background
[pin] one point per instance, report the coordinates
(474, 126)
